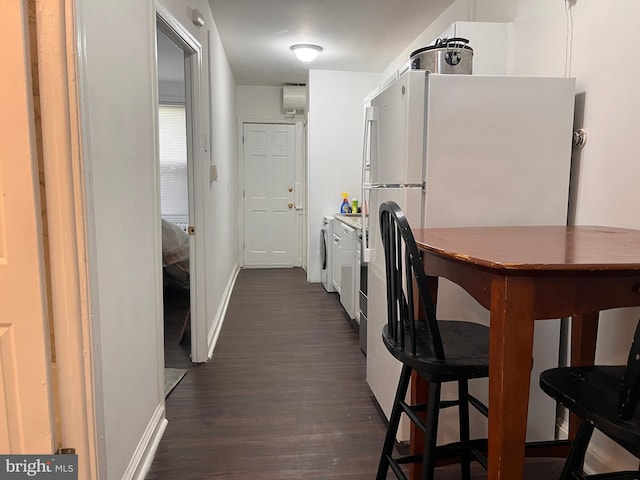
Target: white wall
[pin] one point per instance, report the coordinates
(259, 102)
(461, 10)
(336, 129)
(605, 172)
(222, 199)
(120, 140)
(118, 82)
(219, 117)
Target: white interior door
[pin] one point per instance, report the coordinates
(25, 384)
(269, 175)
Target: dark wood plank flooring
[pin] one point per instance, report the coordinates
(284, 397)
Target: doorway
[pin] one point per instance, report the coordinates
(181, 161)
(174, 199)
(271, 196)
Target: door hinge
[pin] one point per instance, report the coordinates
(192, 230)
(66, 451)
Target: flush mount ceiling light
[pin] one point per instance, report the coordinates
(306, 52)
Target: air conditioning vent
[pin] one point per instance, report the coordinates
(294, 99)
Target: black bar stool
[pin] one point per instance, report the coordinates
(438, 350)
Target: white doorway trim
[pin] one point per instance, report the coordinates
(61, 70)
(299, 183)
(196, 172)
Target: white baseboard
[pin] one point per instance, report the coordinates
(146, 450)
(218, 320)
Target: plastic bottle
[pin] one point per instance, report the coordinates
(345, 208)
(354, 205)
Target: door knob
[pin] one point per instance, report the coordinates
(291, 189)
(290, 205)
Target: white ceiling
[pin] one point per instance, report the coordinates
(356, 35)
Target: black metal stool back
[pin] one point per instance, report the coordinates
(403, 266)
(630, 388)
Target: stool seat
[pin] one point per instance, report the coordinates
(466, 344)
(592, 392)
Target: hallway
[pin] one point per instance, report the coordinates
(284, 396)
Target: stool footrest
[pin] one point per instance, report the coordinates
(395, 466)
(455, 449)
(480, 457)
(478, 405)
(410, 411)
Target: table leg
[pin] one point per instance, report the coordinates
(584, 330)
(510, 354)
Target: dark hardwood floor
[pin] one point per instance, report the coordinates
(284, 397)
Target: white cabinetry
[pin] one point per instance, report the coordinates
(336, 248)
(344, 262)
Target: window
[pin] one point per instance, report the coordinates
(173, 163)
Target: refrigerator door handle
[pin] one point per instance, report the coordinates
(365, 250)
(371, 116)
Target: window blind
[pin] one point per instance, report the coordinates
(173, 163)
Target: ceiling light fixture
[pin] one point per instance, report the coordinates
(306, 52)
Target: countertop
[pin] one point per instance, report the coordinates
(352, 219)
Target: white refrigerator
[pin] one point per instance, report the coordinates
(466, 150)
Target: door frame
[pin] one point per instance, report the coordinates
(196, 172)
(299, 188)
(65, 145)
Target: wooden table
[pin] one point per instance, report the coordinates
(522, 274)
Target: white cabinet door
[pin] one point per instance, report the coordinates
(347, 264)
(336, 259)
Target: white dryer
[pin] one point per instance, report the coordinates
(326, 242)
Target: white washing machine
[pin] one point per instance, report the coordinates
(326, 244)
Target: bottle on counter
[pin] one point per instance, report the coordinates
(345, 207)
(354, 205)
